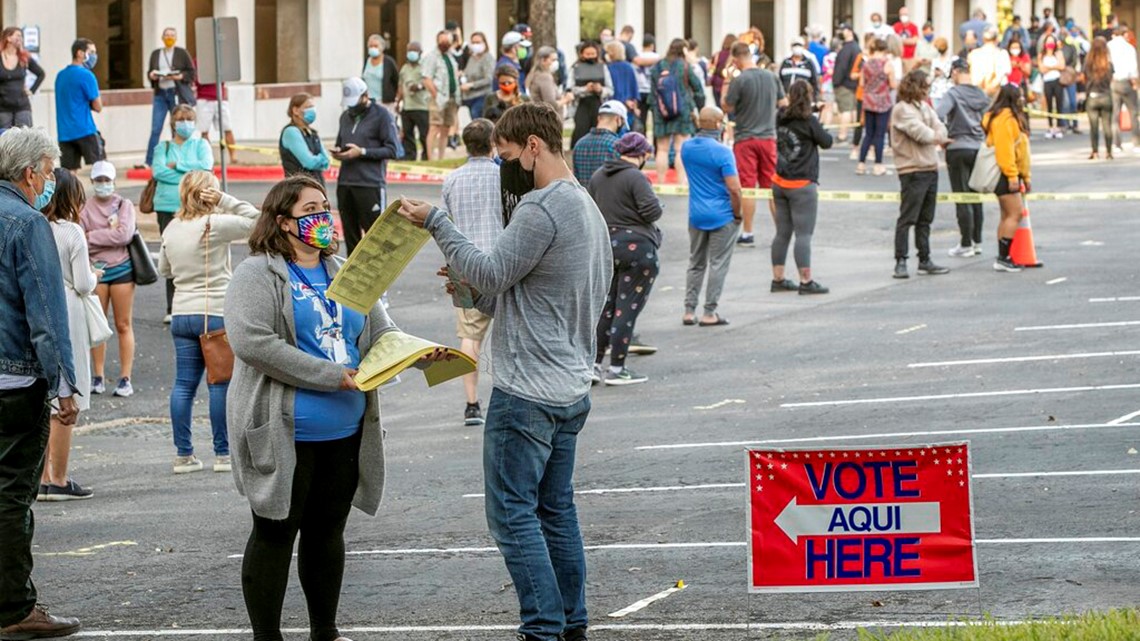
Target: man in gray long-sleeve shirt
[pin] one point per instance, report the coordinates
(545, 283)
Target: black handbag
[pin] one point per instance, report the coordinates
(142, 265)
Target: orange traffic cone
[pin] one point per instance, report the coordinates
(1022, 251)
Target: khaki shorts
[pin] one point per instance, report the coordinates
(471, 324)
(443, 116)
(845, 99)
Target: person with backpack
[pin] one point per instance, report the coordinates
(672, 83)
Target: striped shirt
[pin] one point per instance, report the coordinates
(471, 195)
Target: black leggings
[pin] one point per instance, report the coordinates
(636, 265)
(324, 483)
(960, 164)
(164, 219)
(1054, 99)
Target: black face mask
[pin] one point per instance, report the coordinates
(359, 108)
(515, 183)
(589, 61)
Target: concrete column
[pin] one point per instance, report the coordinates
(943, 18)
(1023, 8)
(425, 19)
(917, 10)
(787, 27)
(862, 18)
(568, 28)
(157, 15)
(293, 32)
(728, 16)
(670, 23)
(243, 10)
(701, 27)
(334, 56)
(482, 15)
(631, 12)
(1081, 12)
(821, 13)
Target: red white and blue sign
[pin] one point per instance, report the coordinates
(897, 518)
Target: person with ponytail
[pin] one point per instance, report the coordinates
(1007, 130)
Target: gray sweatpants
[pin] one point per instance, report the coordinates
(709, 251)
(795, 212)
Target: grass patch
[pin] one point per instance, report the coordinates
(1114, 625)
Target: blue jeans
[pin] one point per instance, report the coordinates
(1070, 104)
(164, 102)
(476, 106)
(528, 470)
(188, 371)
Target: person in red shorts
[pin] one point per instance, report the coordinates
(753, 97)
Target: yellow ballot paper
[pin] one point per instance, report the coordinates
(382, 255)
(396, 351)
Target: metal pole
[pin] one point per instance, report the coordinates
(218, 81)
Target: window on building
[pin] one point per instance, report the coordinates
(115, 27)
(284, 23)
(196, 9)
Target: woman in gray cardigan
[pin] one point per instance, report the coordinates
(307, 444)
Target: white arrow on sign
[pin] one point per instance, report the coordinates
(885, 518)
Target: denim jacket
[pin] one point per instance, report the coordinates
(34, 336)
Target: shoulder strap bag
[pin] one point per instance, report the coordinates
(216, 350)
(984, 178)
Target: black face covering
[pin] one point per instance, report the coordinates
(515, 183)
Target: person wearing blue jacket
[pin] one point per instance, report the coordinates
(300, 145)
(624, 78)
(183, 153)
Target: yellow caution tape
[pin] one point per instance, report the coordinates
(1046, 114)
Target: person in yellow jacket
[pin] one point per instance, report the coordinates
(1007, 130)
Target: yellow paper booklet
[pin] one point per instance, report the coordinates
(384, 252)
(396, 351)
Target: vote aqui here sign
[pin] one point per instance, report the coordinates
(897, 518)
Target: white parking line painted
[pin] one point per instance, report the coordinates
(730, 486)
(943, 397)
(720, 404)
(1125, 418)
(889, 435)
(1039, 328)
(1027, 359)
(700, 545)
(1056, 281)
(1116, 299)
(911, 329)
(810, 626)
(643, 603)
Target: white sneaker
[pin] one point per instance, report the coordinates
(187, 464)
(961, 251)
(124, 389)
(977, 249)
(1058, 134)
(1136, 150)
(596, 375)
(166, 319)
(222, 464)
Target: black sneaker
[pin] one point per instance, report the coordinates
(930, 269)
(746, 241)
(453, 142)
(42, 495)
(639, 348)
(473, 415)
(900, 269)
(812, 287)
(785, 285)
(624, 377)
(1006, 265)
(70, 492)
(577, 634)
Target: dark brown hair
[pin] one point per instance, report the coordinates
(22, 54)
(740, 50)
(477, 137)
(68, 199)
(1097, 63)
(676, 49)
(914, 87)
(520, 122)
(728, 41)
(799, 100)
(296, 101)
(1008, 97)
(267, 236)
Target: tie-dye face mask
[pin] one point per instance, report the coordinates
(316, 230)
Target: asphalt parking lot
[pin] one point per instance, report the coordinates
(1038, 370)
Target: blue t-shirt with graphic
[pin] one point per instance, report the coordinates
(325, 416)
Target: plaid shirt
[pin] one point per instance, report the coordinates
(592, 151)
(471, 195)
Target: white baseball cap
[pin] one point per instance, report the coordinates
(613, 108)
(512, 38)
(102, 169)
(351, 92)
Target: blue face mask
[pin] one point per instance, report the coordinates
(310, 115)
(92, 58)
(413, 56)
(44, 198)
(185, 128)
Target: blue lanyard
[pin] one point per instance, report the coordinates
(330, 306)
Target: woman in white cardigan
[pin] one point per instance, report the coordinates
(196, 255)
(79, 280)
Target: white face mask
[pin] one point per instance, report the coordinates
(554, 66)
(904, 19)
(104, 189)
(478, 48)
(798, 51)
